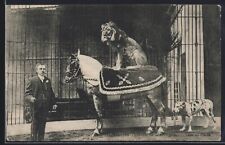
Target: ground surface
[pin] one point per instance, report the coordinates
(131, 134)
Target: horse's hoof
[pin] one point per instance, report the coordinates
(205, 126)
(182, 129)
(149, 130)
(94, 134)
(160, 131)
(189, 130)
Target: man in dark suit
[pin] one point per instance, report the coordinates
(41, 97)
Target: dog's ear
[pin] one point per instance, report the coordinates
(183, 104)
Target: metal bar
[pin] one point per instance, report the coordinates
(188, 62)
(68, 87)
(24, 64)
(51, 59)
(178, 11)
(196, 38)
(36, 54)
(12, 89)
(182, 47)
(200, 51)
(7, 90)
(179, 71)
(48, 58)
(20, 94)
(20, 99)
(59, 67)
(8, 16)
(192, 55)
(196, 50)
(173, 81)
(191, 16)
(186, 38)
(56, 84)
(16, 68)
(41, 42)
(201, 55)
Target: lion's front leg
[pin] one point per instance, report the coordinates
(118, 62)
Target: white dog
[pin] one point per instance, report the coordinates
(191, 108)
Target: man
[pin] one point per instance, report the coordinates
(41, 97)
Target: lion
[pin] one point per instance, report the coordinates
(129, 52)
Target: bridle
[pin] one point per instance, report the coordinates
(75, 73)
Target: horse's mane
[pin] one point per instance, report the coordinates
(88, 59)
(90, 68)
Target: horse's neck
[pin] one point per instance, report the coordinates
(90, 67)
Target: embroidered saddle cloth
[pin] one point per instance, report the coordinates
(132, 79)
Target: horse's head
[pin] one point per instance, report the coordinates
(73, 68)
(111, 33)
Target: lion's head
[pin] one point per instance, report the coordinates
(111, 33)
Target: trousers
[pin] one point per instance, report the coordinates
(38, 124)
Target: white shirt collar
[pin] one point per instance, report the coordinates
(41, 77)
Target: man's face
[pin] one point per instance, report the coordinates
(41, 70)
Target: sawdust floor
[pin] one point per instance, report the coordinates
(129, 134)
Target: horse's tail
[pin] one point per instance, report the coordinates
(168, 111)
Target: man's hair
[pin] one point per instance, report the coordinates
(37, 65)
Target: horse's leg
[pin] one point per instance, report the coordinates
(162, 122)
(152, 125)
(157, 103)
(98, 107)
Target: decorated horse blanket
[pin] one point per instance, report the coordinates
(129, 80)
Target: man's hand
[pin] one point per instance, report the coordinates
(32, 99)
(54, 107)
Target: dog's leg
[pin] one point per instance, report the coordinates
(212, 115)
(213, 119)
(183, 122)
(209, 114)
(205, 118)
(189, 123)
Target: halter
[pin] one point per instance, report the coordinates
(75, 74)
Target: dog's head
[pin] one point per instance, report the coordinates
(179, 106)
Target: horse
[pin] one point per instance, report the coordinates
(89, 69)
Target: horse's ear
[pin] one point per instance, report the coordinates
(78, 52)
(102, 26)
(111, 23)
(113, 38)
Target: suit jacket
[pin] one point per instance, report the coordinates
(42, 91)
